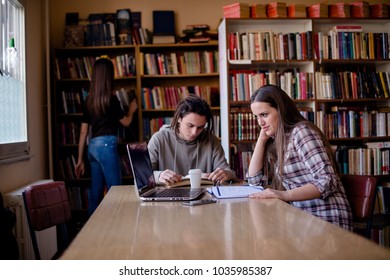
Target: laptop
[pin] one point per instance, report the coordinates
(144, 183)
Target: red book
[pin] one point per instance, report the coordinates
(360, 9)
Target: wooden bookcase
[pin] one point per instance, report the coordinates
(299, 59)
(197, 73)
(172, 71)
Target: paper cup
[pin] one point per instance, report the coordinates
(195, 178)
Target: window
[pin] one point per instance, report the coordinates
(13, 116)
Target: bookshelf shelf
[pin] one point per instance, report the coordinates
(347, 92)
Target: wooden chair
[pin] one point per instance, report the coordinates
(361, 192)
(47, 205)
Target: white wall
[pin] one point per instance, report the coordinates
(18, 174)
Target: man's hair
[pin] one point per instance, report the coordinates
(192, 104)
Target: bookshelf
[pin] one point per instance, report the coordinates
(342, 86)
(170, 72)
(197, 73)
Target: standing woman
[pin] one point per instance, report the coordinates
(103, 113)
(294, 157)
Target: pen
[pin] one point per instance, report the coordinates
(219, 194)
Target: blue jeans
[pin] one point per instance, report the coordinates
(105, 168)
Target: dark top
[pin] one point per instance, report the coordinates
(107, 124)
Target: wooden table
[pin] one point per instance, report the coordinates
(124, 228)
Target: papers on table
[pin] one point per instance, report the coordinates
(233, 191)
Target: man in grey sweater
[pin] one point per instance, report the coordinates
(188, 143)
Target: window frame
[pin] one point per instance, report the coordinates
(13, 22)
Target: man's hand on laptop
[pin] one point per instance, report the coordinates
(168, 177)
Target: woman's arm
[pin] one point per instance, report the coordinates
(80, 168)
(126, 120)
(257, 160)
(305, 192)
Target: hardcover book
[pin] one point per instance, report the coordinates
(163, 27)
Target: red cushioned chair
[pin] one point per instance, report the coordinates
(361, 192)
(46, 206)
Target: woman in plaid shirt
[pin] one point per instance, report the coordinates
(295, 159)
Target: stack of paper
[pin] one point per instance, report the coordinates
(234, 191)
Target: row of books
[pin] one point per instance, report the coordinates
(366, 83)
(360, 9)
(337, 44)
(169, 97)
(245, 127)
(349, 121)
(175, 63)
(383, 199)
(152, 125)
(381, 236)
(69, 134)
(67, 167)
(370, 159)
(298, 85)
(81, 67)
(267, 45)
(105, 29)
(78, 197)
(72, 100)
(240, 163)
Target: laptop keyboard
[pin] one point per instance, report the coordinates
(176, 192)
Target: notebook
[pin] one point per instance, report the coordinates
(145, 185)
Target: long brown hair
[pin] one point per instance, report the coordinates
(101, 87)
(289, 117)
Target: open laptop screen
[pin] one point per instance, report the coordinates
(142, 166)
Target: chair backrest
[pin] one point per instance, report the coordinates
(360, 191)
(46, 205)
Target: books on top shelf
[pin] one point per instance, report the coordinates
(379, 11)
(197, 33)
(296, 11)
(95, 35)
(236, 10)
(360, 9)
(319, 10)
(277, 10)
(339, 10)
(258, 11)
(164, 27)
(109, 33)
(74, 33)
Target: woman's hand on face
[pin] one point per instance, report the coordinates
(263, 135)
(168, 177)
